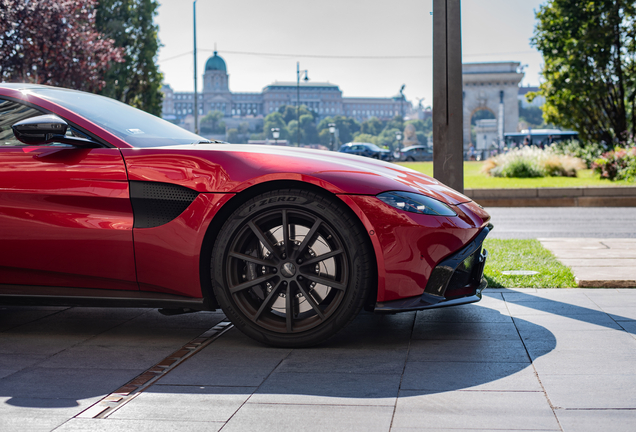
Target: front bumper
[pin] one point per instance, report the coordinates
(458, 279)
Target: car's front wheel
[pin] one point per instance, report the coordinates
(291, 267)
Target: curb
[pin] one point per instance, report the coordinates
(619, 196)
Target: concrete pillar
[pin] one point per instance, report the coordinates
(448, 155)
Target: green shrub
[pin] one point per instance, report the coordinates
(588, 153)
(529, 162)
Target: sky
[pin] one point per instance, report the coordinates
(368, 48)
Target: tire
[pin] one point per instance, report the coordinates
(295, 287)
(410, 159)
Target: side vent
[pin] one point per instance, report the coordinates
(156, 204)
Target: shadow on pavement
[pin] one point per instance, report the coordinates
(479, 346)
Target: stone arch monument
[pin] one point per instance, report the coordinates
(493, 87)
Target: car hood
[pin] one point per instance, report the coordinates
(237, 167)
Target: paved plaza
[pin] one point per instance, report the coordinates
(522, 359)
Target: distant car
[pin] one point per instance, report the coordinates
(415, 153)
(368, 150)
(104, 205)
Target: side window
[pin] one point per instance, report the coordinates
(11, 113)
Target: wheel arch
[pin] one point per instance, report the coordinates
(245, 195)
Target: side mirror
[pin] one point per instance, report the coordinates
(46, 129)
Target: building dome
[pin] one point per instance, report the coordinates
(215, 63)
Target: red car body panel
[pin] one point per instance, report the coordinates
(176, 246)
(74, 204)
(66, 219)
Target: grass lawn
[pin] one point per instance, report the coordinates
(506, 255)
(474, 179)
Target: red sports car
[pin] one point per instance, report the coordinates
(102, 204)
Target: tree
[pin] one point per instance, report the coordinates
(54, 42)
(289, 112)
(372, 126)
(213, 122)
(292, 129)
(346, 126)
(233, 136)
(137, 80)
(275, 120)
(366, 138)
(589, 70)
(308, 132)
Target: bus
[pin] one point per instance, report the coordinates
(538, 137)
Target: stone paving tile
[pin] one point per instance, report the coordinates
(110, 357)
(329, 389)
(591, 391)
(592, 342)
(551, 322)
(474, 410)
(476, 331)
(186, 403)
(31, 424)
(552, 307)
(597, 420)
(233, 360)
(621, 313)
(71, 384)
(17, 362)
(628, 326)
(376, 360)
(33, 406)
(40, 345)
(497, 351)
(451, 376)
(6, 372)
(319, 418)
(426, 429)
(580, 362)
(11, 317)
(95, 313)
(145, 425)
(369, 329)
(466, 314)
(132, 335)
(200, 320)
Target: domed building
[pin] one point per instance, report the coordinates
(321, 97)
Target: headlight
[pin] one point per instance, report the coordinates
(416, 203)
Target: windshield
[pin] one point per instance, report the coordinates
(136, 127)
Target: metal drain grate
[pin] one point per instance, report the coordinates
(140, 383)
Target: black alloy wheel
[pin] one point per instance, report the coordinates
(291, 268)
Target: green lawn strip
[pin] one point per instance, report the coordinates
(475, 179)
(524, 255)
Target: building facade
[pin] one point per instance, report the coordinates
(494, 87)
(325, 99)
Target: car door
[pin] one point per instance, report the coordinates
(65, 213)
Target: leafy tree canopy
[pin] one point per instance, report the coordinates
(137, 80)
(346, 126)
(372, 126)
(275, 120)
(289, 112)
(589, 72)
(213, 122)
(54, 42)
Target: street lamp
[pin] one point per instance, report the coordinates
(275, 134)
(332, 132)
(398, 137)
(402, 100)
(196, 101)
(298, 72)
